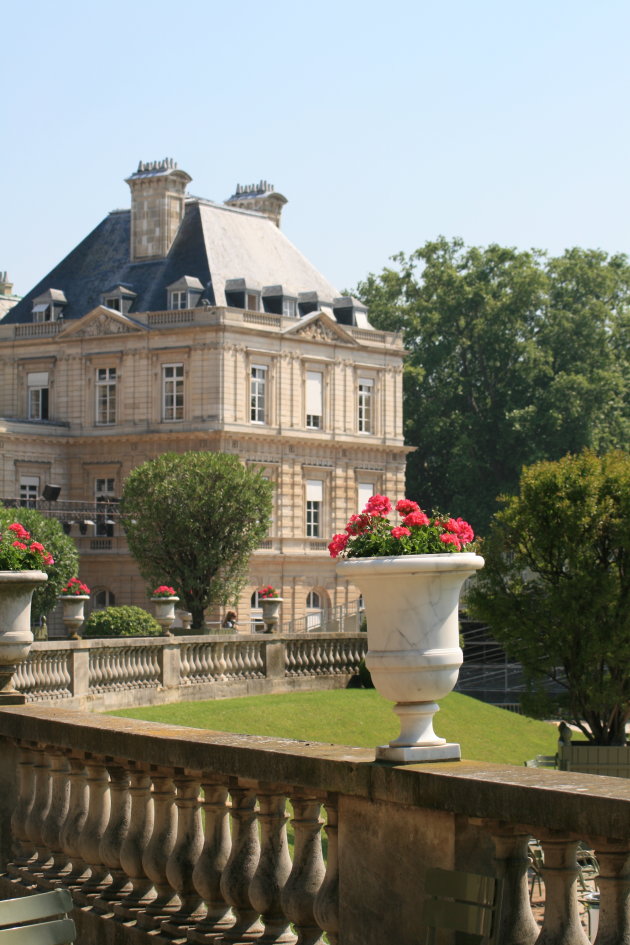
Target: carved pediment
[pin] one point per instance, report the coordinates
(321, 327)
(101, 321)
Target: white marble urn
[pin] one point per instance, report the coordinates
(16, 637)
(412, 610)
(165, 612)
(271, 612)
(73, 613)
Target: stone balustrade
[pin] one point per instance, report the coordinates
(167, 834)
(118, 673)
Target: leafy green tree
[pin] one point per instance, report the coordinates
(555, 590)
(49, 532)
(513, 358)
(192, 521)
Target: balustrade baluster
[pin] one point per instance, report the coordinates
(205, 659)
(39, 808)
(228, 655)
(160, 848)
(220, 663)
(114, 835)
(184, 663)
(183, 859)
(561, 924)
(613, 882)
(326, 905)
(302, 886)
(274, 867)
(76, 869)
(289, 660)
(132, 852)
(241, 866)
(518, 926)
(95, 825)
(57, 812)
(212, 862)
(23, 848)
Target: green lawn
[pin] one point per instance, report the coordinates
(363, 718)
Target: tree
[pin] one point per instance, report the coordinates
(555, 590)
(49, 532)
(513, 358)
(192, 520)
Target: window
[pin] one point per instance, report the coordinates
(103, 598)
(313, 601)
(114, 303)
(314, 611)
(105, 396)
(365, 491)
(258, 386)
(173, 392)
(37, 383)
(179, 299)
(42, 313)
(365, 404)
(314, 499)
(104, 493)
(289, 308)
(29, 489)
(255, 615)
(314, 399)
(251, 301)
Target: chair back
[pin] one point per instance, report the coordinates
(467, 903)
(19, 923)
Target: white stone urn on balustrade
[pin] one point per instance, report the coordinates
(73, 613)
(165, 612)
(16, 637)
(271, 612)
(412, 610)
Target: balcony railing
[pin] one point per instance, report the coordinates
(174, 834)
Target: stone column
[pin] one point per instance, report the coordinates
(160, 848)
(614, 889)
(76, 869)
(326, 906)
(135, 844)
(182, 861)
(274, 866)
(518, 926)
(95, 825)
(562, 924)
(115, 834)
(307, 875)
(241, 866)
(212, 862)
(57, 812)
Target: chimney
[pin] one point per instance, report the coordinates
(260, 197)
(158, 191)
(6, 287)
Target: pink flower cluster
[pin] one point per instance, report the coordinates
(75, 587)
(23, 542)
(266, 592)
(164, 591)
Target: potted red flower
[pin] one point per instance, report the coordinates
(270, 602)
(74, 596)
(165, 598)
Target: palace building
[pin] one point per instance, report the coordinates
(184, 324)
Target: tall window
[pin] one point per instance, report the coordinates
(103, 598)
(179, 299)
(104, 493)
(29, 488)
(105, 396)
(365, 491)
(37, 383)
(258, 385)
(173, 392)
(365, 404)
(314, 502)
(314, 399)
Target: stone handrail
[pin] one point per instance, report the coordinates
(181, 834)
(116, 673)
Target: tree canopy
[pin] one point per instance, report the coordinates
(49, 532)
(513, 357)
(555, 589)
(192, 520)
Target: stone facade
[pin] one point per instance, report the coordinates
(315, 403)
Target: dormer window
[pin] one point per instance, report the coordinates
(185, 293)
(276, 300)
(48, 306)
(240, 293)
(119, 298)
(113, 303)
(349, 311)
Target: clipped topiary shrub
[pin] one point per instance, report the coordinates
(121, 622)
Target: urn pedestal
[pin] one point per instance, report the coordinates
(412, 610)
(16, 638)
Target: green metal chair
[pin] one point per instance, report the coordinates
(466, 903)
(20, 919)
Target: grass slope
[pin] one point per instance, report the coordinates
(363, 718)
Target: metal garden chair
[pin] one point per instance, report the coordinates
(40, 919)
(467, 903)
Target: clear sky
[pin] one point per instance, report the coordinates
(384, 124)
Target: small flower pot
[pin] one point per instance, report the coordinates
(270, 612)
(73, 615)
(16, 638)
(165, 612)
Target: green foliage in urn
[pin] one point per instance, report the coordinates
(513, 357)
(48, 533)
(193, 519)
(121, 622)
(556, 587)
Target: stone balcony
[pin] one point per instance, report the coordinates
(166, 834)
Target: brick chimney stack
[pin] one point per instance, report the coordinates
(158, 192)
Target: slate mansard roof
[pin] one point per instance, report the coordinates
(214, 243)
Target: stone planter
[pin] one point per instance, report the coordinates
(16, 592)
(414, 656)
(165, 612)
(271, 612)
(73, 615)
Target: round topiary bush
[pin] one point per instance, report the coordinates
(121, 622)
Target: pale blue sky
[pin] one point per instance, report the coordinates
(383, 124)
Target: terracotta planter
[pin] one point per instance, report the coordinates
(414, 656)
(16, 638)
(165, 612)
(73, 615)
(270, 612)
